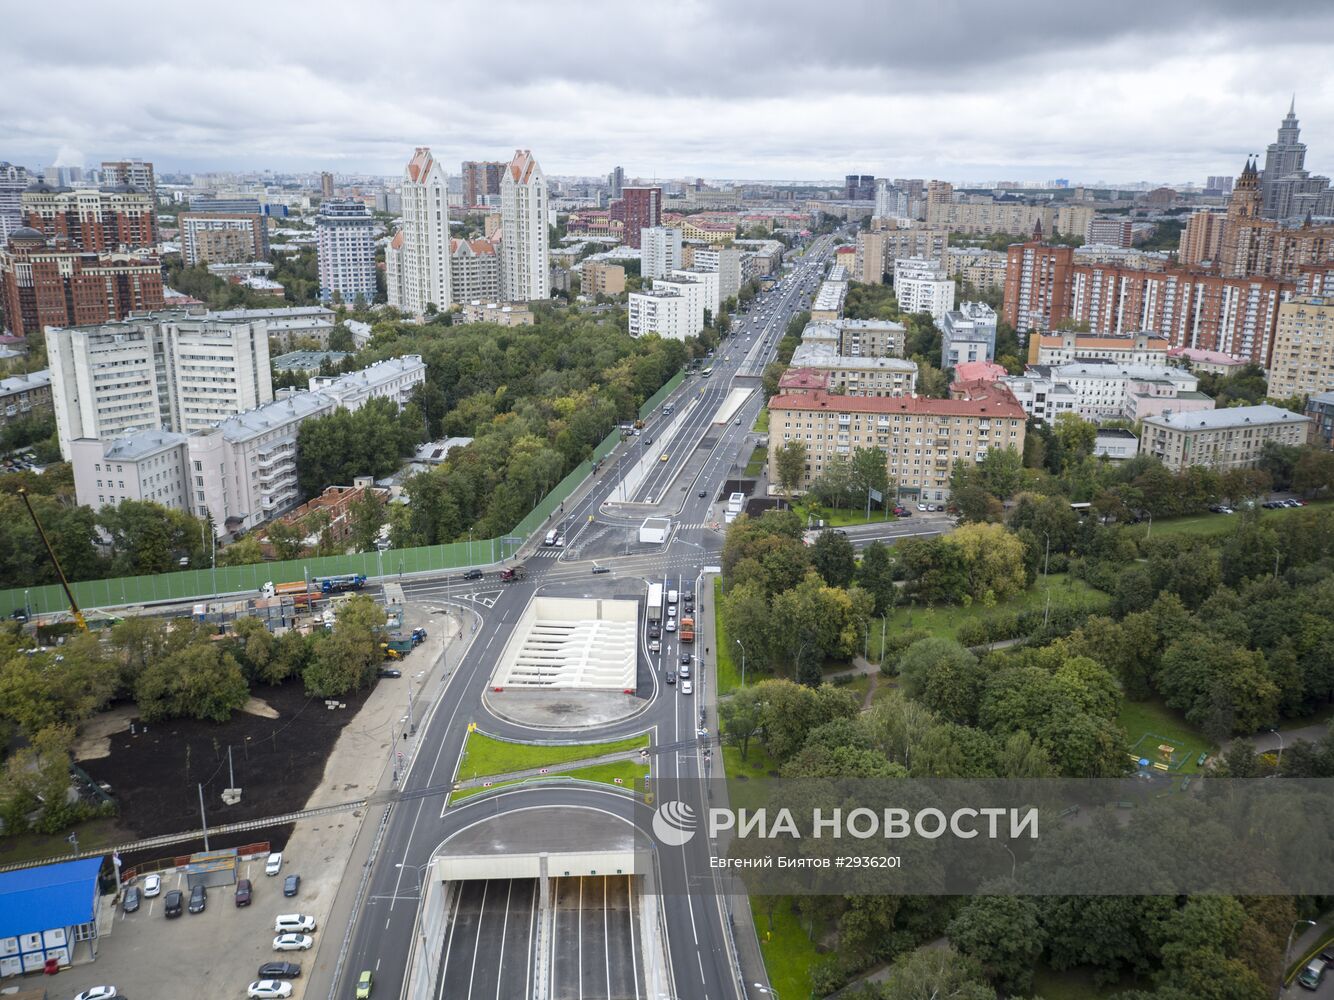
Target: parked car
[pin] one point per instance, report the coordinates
(291, 885)
(130, 902)
(280, 970)
(198, 899)
(152, 885)
(268, 989)
(243, 892)
(364, 985)
(384, 672)
(472, 574)
(98, 993)
(172, 903)
(293, 942)
(274, 864)
(1313, 974)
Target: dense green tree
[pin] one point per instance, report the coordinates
(1221, 688)
(875, 575)
(790, 465)
(943, 676)
(935, 974)
(740, 717)
(833, 557)
(1004, 934)
(198, 679)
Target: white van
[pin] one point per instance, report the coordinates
(293, 923)
(671, 597)
(552, 535)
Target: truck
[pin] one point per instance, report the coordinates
(512, 574)
(686, 633)
(399, 644)
(654, 610)
(338, 584)
(272, 589)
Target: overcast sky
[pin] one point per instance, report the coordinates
(1025, 89)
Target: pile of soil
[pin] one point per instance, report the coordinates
(155, 771)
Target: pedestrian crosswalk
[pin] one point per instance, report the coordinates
(547, 553)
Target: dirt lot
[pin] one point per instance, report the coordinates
(278, 761)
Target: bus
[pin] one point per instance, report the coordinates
(707, 371)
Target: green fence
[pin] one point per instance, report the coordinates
(194, 583)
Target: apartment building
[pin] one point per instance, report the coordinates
(1302, 362)
(393, 378)
(1067, 346)
(481, 182)
(1210, 362)
(499, 313)
(91, 220)
(1320, 408)
(983, 269)
(474, 271)
(1100, 391)
(856, 376)
(762, 256)
(660, 251)
(870, 338)
(146, 465)
(288, 326)
(345, 245)
(640, 208)
(891, 240)
(967, 334)
(14, 180)
(1231, 438)
(1202, 238)
(726, 262)
(868, 266)
(222, 237)
(920, 285)
(1109, 230)
(665, 312)
(1037, 286)
(526, 256)
(601, 278)
(47, 282)
(712, 286)
(985, 217)
(694, 290)
(416, 261)
(921, 438)
(165, 371)
(827, 305)
(130, 173)
(23, 396)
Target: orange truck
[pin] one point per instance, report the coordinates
(686, 632)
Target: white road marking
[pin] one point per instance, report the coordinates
(477, 942)
(504, 928)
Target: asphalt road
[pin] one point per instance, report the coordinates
(695, 920)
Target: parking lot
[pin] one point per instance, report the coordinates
(215, 953)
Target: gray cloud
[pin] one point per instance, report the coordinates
(776, 89)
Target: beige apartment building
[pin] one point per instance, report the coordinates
(600, 278)
(983, 269)
(1231, 438)
(920, 438)
(1303, 358)
(878, 249)
(985, 217)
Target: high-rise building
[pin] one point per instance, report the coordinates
(663, 311)
(130, 173)
(1302, 362)
(222, 237)
(859, 187)
(1037, 285)
(326, 184)
(968, 334)
(616, 182)
(14, 180)
(1109, 230)
(694, 290)
(642, 209)
(660, 251)
(1255, 246)
(97, 221)
(920, 285)
(481, 179)
(229, 206)
(1202, 237)
(1285, 175)
(724, 260)
(417, 259)
(602, 278)
(525, 244)
(49, 283)
(161, 371)
(1218, 184)
(474, 271)
(345, 242)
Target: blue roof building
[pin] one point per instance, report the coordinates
(45, 912)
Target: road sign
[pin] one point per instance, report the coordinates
(877, 496)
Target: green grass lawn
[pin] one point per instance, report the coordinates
(1212, 524)
(758, 459)
(1152, 717)
(945, 620)
(789, 953)
(842, 517)
(762, 421)
(484, 755)
(92, 834)
(729, 673)
(629, 771)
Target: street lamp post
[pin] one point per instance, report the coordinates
(1278, 763)
(743, 663)
(1287, 952)
(380, 545)
(768, 991)
(1046, 561)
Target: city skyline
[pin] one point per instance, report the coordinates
(1191, 98)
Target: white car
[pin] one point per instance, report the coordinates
(654, 645)
(687, 687)
(98, 993)
(293, 942)
(274, 865)
(152, 885)
(266, 989)
(923, 507)
(671, 624)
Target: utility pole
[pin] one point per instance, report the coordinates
(203, 819)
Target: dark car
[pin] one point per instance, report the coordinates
(472, 574)
(19, 615)
(388, 672)
(601, 569)
(243, 892)
(291, 884)
(686, 659)
(172, 903)
(671, 677)
(654, 632)
(131, 901)
(280, 970)
(703, 493)
(198, 899)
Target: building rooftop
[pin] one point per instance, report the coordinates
(1103, 343)
(22, 383)
(1199, 356)
(435, 452)
(978, 371)
(274, 414)
(306, 361)
(1327, 398)
(1111, 369)
(38, 899)
(371, 375)
(288, 312)
(141, 444)
(994, 402)
(825, 355)
(868, 324)
(1231, 417)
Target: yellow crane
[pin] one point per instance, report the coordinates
(69, 594)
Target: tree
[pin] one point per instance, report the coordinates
(739, 718)
(367, 515)
(943, 676)
(790, 464)
(992, 560)
(195, 680)
(242, 553)
(745, 609)
(1222, 688)
(1313, 475)
(936, 974)
(287, 540)
(1002, 470)
(1004, 935)
(833, 557)
(875, 575)
(869, 472)
(344, 659)
(1076, 436)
